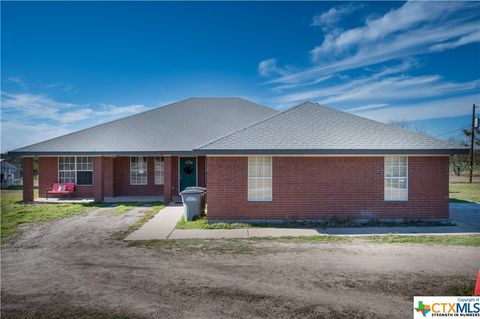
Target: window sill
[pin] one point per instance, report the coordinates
(260, 201)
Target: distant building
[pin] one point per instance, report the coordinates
(11, 174)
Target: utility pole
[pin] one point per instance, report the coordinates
(472, 142)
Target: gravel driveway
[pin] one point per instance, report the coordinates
(76, 268)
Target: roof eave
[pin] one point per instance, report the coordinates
(334, 151)
(104, 153)
(198, 152)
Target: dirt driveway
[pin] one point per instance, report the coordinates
(75, 268)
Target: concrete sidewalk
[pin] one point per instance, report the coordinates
(301, 232)
(160, 226)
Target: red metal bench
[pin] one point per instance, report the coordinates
(62, 189)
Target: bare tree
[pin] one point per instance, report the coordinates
(406, 126)
(459, 164)
(400, 124)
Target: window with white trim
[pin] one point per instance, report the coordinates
(396, 178)
(259, 178)
(159, 170)
(138, 170)
(78, 170)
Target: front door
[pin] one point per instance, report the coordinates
(188, 172)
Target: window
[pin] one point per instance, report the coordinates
(159, 170)
(138, 170)
(78, 170)
(259, 178)
(396, 178)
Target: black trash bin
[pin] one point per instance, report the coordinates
(193, 199)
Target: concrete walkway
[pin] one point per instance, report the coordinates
(301, 232)
(466, 215)
(160, 226)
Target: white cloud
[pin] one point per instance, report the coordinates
(40, 106)
(377, 89)
(269, 67)
(403, 88)
(328, 19)
(366, 107)
(16, 133)
(283, 87)
(28, 118)
(37, 106)
(18, 80)
(405, 45)
(51, 85)
(423, 111)
(413, 29)
(408, 16)
(113, 110)
(470, 38)
(76, 115)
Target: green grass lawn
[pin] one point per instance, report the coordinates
(452, 240)
(202, 223)
(15, 213)
(464, 192)
(122, 208)
(152, 211)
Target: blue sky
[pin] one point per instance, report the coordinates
(70, 65)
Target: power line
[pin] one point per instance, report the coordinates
(446, 133)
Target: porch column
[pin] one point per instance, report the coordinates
(202, 167)
(168, 179)
(27, 167)
(98, 178)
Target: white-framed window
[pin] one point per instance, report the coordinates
(78, 170)
(396, 178)
(159, 170)
(138, 170)
(259, 178)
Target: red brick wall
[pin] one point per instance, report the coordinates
(48, 174)
(108, 177)
(324, 187)
(122, 187)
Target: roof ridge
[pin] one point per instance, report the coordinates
(248, 126)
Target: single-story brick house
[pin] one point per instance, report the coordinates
(308, 162)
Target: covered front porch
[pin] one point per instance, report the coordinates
(118, 199)
(114, 178)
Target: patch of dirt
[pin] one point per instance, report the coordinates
(75, 268)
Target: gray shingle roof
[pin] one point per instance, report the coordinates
(311, 128)
(177, 127)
